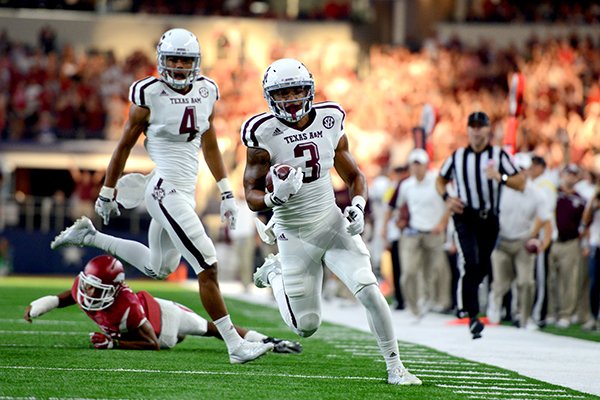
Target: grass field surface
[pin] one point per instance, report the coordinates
(51, 358)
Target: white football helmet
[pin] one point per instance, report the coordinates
(99, 283)
(286, 73)
(182, 43)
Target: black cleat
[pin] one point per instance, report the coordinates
(284, 346)
(475, 326)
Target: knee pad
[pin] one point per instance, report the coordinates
(308, 324)
(363, 277)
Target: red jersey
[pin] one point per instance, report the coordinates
(128, 312)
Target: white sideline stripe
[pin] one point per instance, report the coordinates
(43, 322)
(158, 371)
(44, 332)
(570, 396)
(470, 382)
(58, 346)
(500, 388)
(445, 371)
(495, 378)
(439, 362)
(51, 398)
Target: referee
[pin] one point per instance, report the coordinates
(479, 172)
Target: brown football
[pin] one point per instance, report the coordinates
(282, 171)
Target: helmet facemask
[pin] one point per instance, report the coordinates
(286, 74)
(93, 295)
(178, 43)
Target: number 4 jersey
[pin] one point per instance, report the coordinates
(311, 148)
(176, 123)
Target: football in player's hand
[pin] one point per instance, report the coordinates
(282, 171)
(533, 246)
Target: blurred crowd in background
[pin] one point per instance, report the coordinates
(49, 93)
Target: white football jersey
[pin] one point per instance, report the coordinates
(312, 149)
(175, 126)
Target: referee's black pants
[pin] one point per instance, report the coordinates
(477, 234)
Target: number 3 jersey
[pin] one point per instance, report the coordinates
(176, 123)
(311, 148)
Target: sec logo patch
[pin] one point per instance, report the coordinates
(328, 122)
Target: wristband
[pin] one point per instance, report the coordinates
(224, 185)
(445, 196)
(271, 200)
(107, 193)
(268, 201)
(42, 305)
(359, 202)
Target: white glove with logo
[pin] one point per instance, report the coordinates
(355, 214)
(229, 210)
(283, 189)
(106, 206)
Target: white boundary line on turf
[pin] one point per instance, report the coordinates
(508, 389)
(554, 395)
(45, 332)
(44, 322)
(175, 372)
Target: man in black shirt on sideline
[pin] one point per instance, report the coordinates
(479, 171)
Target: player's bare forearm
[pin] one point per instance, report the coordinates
(258, 163)
(135, 125)
(212, 154)
(142, 338)
(347, 168)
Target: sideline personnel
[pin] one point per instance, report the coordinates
(479, 171)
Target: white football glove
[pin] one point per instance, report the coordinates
(284, 189)
(229, 210)
(106, 206)
(356, 216)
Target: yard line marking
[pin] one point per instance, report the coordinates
(471, 372)
(44, 322)
(554, 395)
(46, 332)
(470, 382)
(499, 388)
(175, 372)
(58, 346)
(438, 362)
(452, 377)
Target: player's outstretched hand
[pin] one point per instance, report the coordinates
(106, 205)
(229, 210)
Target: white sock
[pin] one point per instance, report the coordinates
(253, 336)
(380, 322)
(230, 336)
(130, 251)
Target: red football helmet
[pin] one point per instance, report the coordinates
(99, 283)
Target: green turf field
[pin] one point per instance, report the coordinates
(51, 358)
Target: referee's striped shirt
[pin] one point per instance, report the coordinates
(467, 169)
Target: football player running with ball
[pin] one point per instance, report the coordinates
(311, 231)
(135, 321)
(175, 113)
